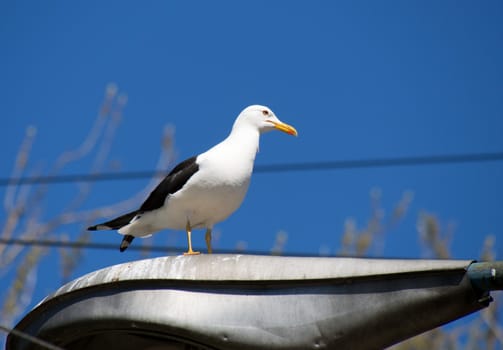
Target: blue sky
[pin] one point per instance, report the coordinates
(358, 79)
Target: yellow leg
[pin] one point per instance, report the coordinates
(190, 251)
(207, 237)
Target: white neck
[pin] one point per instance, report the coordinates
(244, 140)
(240, 146)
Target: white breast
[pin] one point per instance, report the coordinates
(217, 189)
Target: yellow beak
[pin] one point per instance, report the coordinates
(290, 130)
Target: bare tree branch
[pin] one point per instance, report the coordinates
(24, 208)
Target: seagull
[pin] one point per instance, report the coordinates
(202, 190)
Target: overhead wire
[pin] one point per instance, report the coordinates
(149, 248)
(270, 168)
(76, 245)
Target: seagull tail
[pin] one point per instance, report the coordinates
(126, 241)
(116, 223)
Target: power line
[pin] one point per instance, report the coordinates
(271, 168)
(150, 248)
(87, 245)
(382, 162)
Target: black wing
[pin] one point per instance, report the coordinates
(116, 223)
(175, 180)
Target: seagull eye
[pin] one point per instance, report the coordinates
(265, 112)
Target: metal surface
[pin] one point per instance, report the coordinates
(487, 276)
(253, 302)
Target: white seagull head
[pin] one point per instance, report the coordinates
(262, 119)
